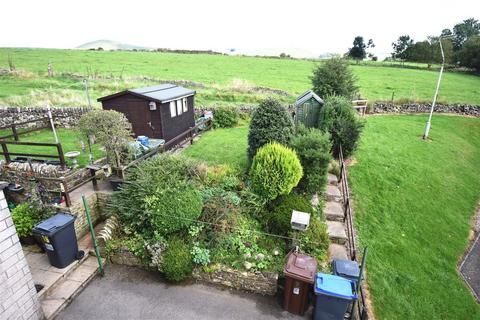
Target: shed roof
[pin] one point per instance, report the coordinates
(307, 96)
(160, 93)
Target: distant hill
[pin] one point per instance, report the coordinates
(110, 45)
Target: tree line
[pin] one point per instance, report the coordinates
(461, 46)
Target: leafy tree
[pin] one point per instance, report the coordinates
(339, 119)
(400, 47)
(111, 129)
(464, 30)
(334, 77)
(420, 52)
(446, 32)
(469, 55)
(358, 51)
(270, 122)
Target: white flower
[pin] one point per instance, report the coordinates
(247, 265)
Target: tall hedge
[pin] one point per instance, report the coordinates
(339, 119)
(334, 77)
(313, 147)
(270, 122)
(275, 171)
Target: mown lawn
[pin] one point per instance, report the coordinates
(414, 202)
(69, 138)
(225, 79)
(222, 147)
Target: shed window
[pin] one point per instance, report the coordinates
(179, 107)
(185, 105)
(173, 111)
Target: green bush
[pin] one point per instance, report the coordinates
(171, 174)
(173, 208)
(339, 119)
(314, 240)
(275, 171)
(334, 77)
(313, 148)
(26, 215)
(177, 261)
(225, 117)
(280, 212)
(270, 122)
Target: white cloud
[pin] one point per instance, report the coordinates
(309, 26)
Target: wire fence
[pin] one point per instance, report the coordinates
(360, 309)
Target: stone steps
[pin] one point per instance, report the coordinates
(336, 232)
(332, 179)
(337, 251)
(62, 293)
(334, 211)
(333, 193)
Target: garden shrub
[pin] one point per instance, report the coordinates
(111, 129)
(270, 122)
(334, 77)
(163, 172)
(173, 208)
(225, 117)
(26, 215)
(280, 212)
(314, 240)
(313, 148)
(275, 171)
(339, 119)
(177, 260)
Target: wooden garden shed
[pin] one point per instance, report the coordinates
(307, 109)
(161, 112)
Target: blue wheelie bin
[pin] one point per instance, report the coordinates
(347, 269)
(57, 235)
(333, 296)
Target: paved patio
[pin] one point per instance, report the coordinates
(131, 293)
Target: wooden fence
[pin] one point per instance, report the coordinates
(360, 308)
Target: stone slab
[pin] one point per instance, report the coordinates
(336, 232)
(333, 193)
(337, 251)
(334, 211)
(332, 179)
(470, 268)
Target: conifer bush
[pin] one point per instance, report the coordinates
(270, 122)
(275, 171)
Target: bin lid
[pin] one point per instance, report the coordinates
(301, 267)
(335, 286)
(346, 268)
(55, 222)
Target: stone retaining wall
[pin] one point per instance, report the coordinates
(65, 117)
(264, 283)
(460, 109)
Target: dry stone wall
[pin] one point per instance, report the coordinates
(460, 109)
(65, 117)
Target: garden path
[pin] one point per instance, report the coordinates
(470, 266)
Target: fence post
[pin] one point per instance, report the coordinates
(61, 156)
(15, 134)
(63, 187)
(5, 152)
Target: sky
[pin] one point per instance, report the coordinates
(298, 27)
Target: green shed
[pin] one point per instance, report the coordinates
(307, 108)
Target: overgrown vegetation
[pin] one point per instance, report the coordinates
(334, 77)
(280, 212)
(225, 117)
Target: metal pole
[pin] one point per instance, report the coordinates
(359, 282)
(50, 118)
(87, 93)
(429, 121)
(92, 233)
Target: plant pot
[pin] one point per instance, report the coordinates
(15, 188)
(116, 183)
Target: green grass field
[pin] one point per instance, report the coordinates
(70, 140)
(414, 201)
(222, 79)
(222, 147)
